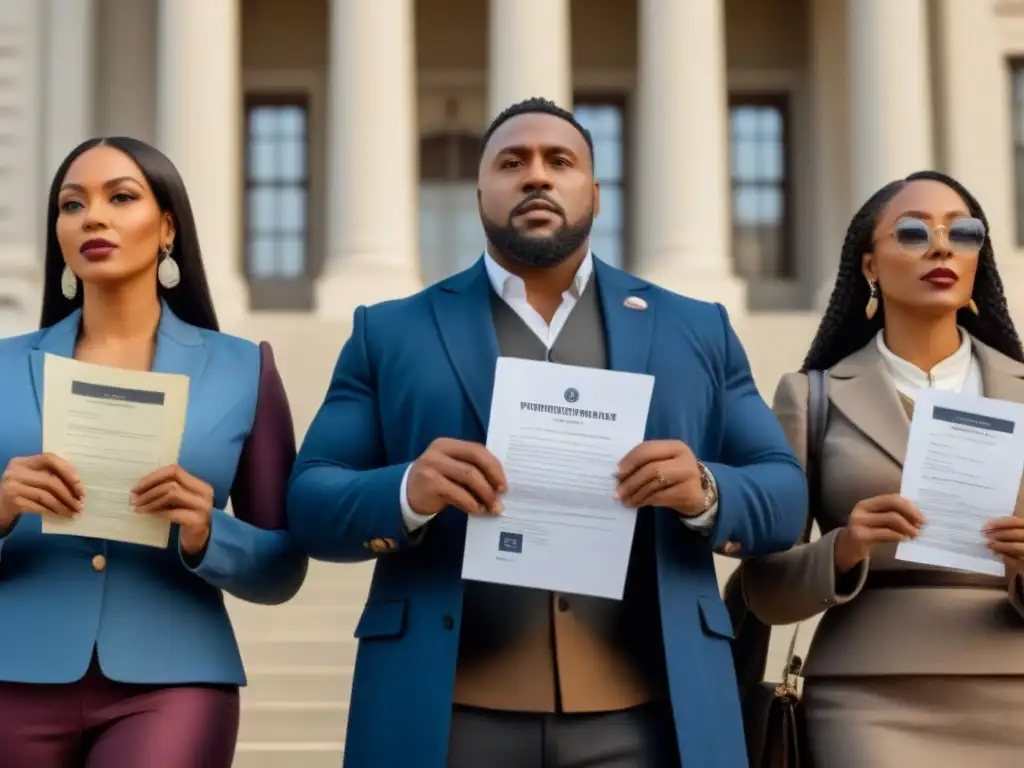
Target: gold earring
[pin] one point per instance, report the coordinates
(872, 308)
(971, 305)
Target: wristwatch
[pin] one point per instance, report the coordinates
(709, 486)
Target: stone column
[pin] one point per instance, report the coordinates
(373, 137)
(683, 221)
(199, 105)
(830, 105)
(974, 111)
(71, 76)
(23, 193)
(891, 101)
(530, 47)
(126, 104)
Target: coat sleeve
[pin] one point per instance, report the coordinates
(794, 585)
(762, 494)
(251, 554)
(344, 501)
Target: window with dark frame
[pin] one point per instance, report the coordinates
(759, 152)
(605, 118)
(451, 236)
(1017, 124)
(277, 188)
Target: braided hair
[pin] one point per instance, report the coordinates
(845, 328)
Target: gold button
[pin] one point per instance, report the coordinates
(99, 563)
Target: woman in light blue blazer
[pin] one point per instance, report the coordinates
(113, 654)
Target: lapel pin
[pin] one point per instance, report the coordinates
(635, 302)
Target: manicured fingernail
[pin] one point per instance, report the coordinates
(498, 507)
(616, 496)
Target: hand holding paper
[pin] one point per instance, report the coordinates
(176, 496)
(456, 473)
(39, 484)
(1006, 538)
(661, 473)
(879, 520)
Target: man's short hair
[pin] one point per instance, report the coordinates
(537, 105)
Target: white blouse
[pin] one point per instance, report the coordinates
(957, 373)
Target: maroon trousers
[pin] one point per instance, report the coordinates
(96, 723)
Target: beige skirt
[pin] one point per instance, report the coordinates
(912, 722)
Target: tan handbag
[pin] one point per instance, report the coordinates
(772, 718)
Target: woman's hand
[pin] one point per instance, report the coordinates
(1006, 538)
(37, 484)
(880, 519)
(175, 495)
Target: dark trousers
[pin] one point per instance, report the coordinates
(643, 737)
(96, 723)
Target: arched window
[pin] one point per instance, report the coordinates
(451, 237)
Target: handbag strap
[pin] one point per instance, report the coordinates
(817, 422)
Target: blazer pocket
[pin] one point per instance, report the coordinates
(382, 619)
(714, 617)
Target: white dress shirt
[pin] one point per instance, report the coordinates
(957, 373)
(512, 290)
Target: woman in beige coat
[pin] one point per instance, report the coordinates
(911, 665)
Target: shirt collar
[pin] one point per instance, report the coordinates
(507, 285)
(950, 374)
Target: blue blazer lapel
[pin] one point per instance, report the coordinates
(462, 308)
(179, 347)
(628, 330)
(58, 339)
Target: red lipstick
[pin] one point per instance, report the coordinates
(97, 249)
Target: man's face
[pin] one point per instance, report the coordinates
(536, 190)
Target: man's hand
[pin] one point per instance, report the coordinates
(661, 473)
(459, 474)
(1006, 538)
(881, 519)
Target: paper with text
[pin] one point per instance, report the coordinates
(114, 427)
(559, 432)
(963, 468)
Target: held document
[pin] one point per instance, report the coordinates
(559, 431)
(115, 427)
(963, 468)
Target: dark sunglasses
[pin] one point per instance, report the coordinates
(916, 237)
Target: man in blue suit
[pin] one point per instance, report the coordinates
(460, 674)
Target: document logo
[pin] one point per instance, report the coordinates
(571, 395)
(510, 542)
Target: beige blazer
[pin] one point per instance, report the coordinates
(885, 630)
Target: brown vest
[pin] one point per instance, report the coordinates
(529, 650)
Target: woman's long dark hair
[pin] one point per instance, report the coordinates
(845, 328)
(190, 300)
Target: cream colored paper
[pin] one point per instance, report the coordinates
(115, 427)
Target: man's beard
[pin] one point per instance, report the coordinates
(532, 251)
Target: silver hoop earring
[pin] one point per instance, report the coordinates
(168, 273)
(68, 283)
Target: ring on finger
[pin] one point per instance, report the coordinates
(661, 478)
(649, 489)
